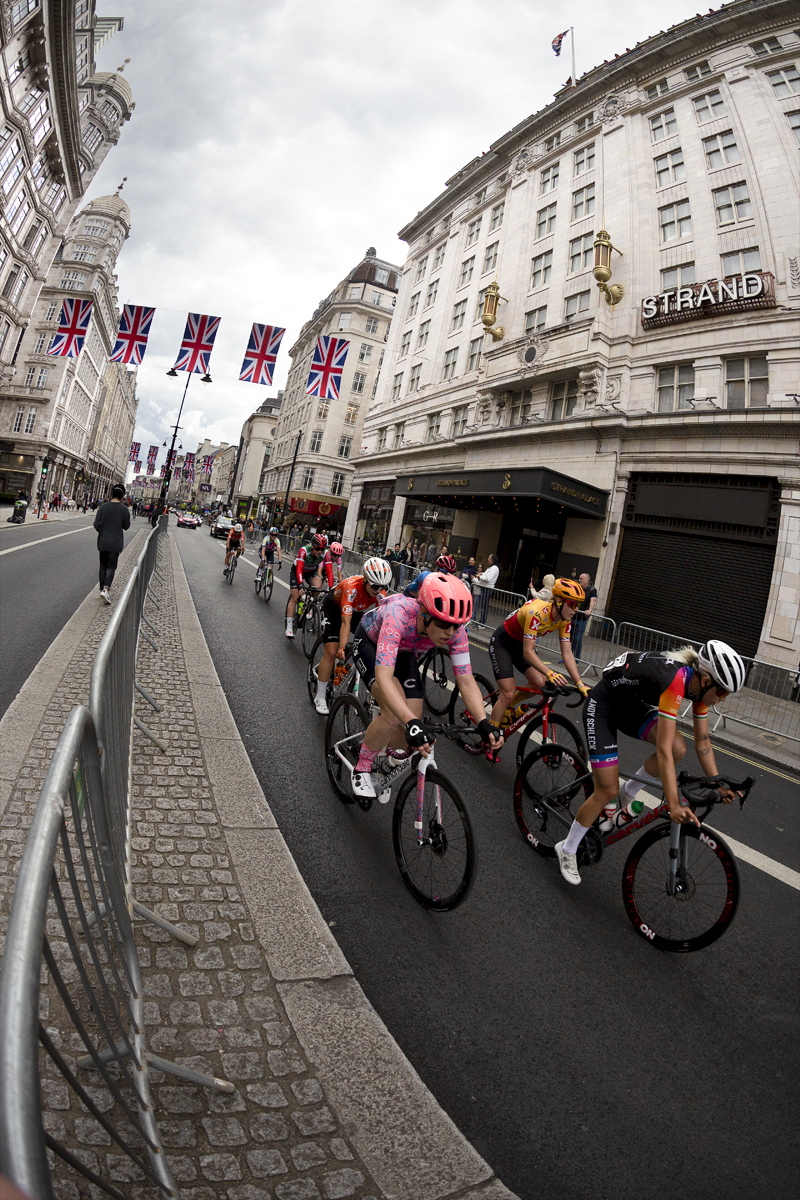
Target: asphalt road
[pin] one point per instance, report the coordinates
(577, 1059)
(41, 585)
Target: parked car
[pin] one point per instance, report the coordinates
(189, 520)
(222, 526)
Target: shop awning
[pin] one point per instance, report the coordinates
(527, 482)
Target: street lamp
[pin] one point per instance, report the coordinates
(602, 267)
(173, 374)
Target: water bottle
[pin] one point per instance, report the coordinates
(627, 814)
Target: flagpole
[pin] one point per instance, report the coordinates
(291, 475)
(572, 44)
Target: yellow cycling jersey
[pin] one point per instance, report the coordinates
(534, 618)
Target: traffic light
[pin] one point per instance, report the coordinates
(45, 468)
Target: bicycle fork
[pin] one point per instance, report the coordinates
(678, 853)
(422, 770)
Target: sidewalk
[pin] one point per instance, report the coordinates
(31, 519)
(326, 1104)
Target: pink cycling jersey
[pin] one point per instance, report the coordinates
(393, 627)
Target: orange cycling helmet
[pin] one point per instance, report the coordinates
(446, 597)
(568, 589)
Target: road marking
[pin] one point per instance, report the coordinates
(52, 538)
(274, 575)
(750, 762)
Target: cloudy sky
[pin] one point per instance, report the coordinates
(274, 140)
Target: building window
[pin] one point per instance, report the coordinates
(316, 442)
(548, 180)
(372, 324)
(95, 228)
(563, 398)
(397, 384)
(30, 421)
(581, 252)
(414, 305)
(434, 423)
(460, 420)
(672, 277)
(413, 378)
(768, 46)
(583, 202)
(381, 275)
(424, 330)
(675, 221)
(355, 293)
(657, 89)
(438, 258)
(584, 123)
(405, 343)
(675, 387)
(480, 196)
(344, 447)
(359, 379)
(365, 353)
(473, 231)
(536, 319)
(375, 384)
(35, 236)
(30, 375)
(746, 382)
(475, 348)
(450, 359)
(92, 138)
(490, 259)
(785, 82)
(307, 482)
(794, 122)
(709, 106)
(344, 320)
(459, 313)
(670, 168)
(732, 204)
(351, 414)
(541, 268)
(497, 216)
(551, 142)
(574, 305)
(377, 299)
(545, 220)
(5, 329)
(739, 261)
(467, 268)
(382, 438)
(721, 149)
(430, 297)
(18, 419)
(15, 284)
(337, 487)
(663, 125)
(83, 253)
(322, 410)
(399, 430)
(21, 64)
(698, 71)
(40, 341)
(520, 408)
(583, 160)
(41, 379)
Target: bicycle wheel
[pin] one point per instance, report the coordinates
(458, 713)
(269, 581)
(311, 628)
(347, 719)
(559, 729)
(437, 862)
(231, 569)
(355, 684)
(547, 769)
(706, 897)
(314, 660)
(259, 583)
(438, 680)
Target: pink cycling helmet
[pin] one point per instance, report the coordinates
(337, 548)
(446, 597)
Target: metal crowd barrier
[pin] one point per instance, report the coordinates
(493, 605)
(598, 645)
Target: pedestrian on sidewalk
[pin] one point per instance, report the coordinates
(111, 520)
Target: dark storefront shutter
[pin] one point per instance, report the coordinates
(697, 587)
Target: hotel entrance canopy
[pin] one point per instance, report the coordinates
(461, 487)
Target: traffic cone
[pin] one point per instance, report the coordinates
(46, 510)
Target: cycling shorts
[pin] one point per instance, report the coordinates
(269, 556)
(307, 576)
(605, 714)
(365, 651)
(506, 653)
(331, 619)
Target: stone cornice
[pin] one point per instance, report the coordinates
(64, 87)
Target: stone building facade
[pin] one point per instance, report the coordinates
(60, 118)
(652, 442)
(253, 462)
(360, 308)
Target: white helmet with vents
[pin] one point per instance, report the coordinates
(723, 664)
(378, 572)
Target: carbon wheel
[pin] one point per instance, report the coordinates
(548, 769)
(458, 714)
(438, 680)
(347, 723)
(311, 628)
(706, 895)
(311, 675)
(559, 729)
(269, 581)
(437, 862)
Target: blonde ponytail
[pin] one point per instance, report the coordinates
(686, 654)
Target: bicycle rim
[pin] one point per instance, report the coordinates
(559, 729)
(437, 680)
(548, 769)
(707, 894)
(437, 863)
(268, 584)
(346, 718)
(458, 715)
(313, 664)
(310, 630)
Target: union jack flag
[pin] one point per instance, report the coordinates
(198, 342)
(208, 464)
(557, 40)
(326, 367)
(188, 466)
(261, 353)
(151, 467)
(72, 326)
(135, 451)
(164, 470)
(134, 330)
(152, 453)
(137, 466)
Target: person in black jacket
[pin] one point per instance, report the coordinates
(111, 520)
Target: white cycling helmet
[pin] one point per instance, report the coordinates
(378, 572)
(238, 528)
(723, 664)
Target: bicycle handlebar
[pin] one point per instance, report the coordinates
(704, 789)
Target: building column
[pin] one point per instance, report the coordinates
(351, 520)
(397, 521)
(780, 635)
(616, 505)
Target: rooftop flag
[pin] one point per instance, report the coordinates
(134, 330)
(198, 342)
(557, 40)
(261, 353)
(327, 365)
(135, 451)
(73, 323)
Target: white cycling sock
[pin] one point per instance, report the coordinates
(321, 688)
(289, 622)
(573, 838)
(640, 780)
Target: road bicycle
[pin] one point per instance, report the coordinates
(680, 884)
(431, 831)
(438, 679)
(232, 565)
(308, 616)
(535, 717)
(265, 581)
(344, 678)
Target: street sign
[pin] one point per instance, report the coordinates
(205, 487)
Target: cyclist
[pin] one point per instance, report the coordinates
(513, 644)
(234, 544)
(387, 645)
(337, 550)
(354, 595)
(307, 568)
(640, 694)
(270, 546)
(445, 565)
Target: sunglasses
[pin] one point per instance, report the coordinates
(445, 626)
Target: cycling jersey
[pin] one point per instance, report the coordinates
(308, 563)
(235, 539)
(655, 678)
(269, 545)
(393, 627)
(351, 596)
(535, 618)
